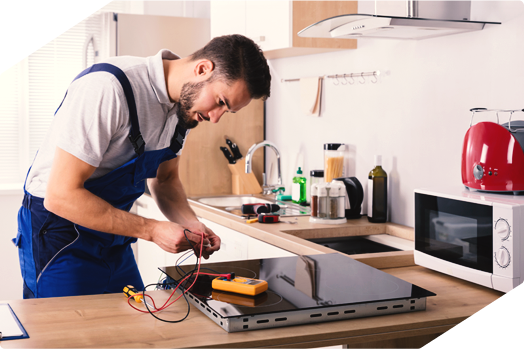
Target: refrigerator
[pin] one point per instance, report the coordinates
(119, 34)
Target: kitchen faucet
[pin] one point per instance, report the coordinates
(267, 188)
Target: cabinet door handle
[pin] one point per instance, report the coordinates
(259, 38)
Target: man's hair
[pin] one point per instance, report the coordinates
(237, 57)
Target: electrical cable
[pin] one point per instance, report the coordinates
(179, 282)
(177, 264)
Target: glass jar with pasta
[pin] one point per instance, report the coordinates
(333, 161)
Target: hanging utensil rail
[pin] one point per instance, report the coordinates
(361, 75)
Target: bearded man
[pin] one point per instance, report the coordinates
(122, 122)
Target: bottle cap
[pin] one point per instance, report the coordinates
(322, 189)
(378, 160)
(341, 190)
(337, 184)
(282, 197)
(332, 146)
(317, 173)
(336, 188)
(299, 171)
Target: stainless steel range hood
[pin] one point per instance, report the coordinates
(400, 20)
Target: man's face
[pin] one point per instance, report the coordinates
(209, 100)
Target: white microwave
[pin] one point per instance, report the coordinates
(471, 235)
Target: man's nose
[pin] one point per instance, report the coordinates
(216, 114)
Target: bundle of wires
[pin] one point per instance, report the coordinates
(176, 284)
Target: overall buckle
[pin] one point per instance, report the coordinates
(138, 143)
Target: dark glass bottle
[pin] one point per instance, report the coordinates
(377, 193)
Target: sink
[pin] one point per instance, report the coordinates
(232, 204)
(225, 201)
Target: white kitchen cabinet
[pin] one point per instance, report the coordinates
(251, 248)
(265, 22)
(257, 249)
(274, 24)
(235, 246)
(269, 24)
(227, 17)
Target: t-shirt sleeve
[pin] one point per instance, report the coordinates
(92, 113)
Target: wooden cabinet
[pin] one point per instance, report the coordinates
(203, 167)
(274, 24)
(235, 246)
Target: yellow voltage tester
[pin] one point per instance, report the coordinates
(239, 284)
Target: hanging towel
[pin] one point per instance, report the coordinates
(310, 93)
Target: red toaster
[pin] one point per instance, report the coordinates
(493, 155)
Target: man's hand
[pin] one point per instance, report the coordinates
(212, 238)
(170, 237)
(169, 194)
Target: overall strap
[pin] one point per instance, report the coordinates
(178, 139)
(134, 135)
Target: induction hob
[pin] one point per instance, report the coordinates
(302, 290)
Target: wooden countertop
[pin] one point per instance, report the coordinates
(107, 321)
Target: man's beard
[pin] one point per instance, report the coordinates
(188, 94)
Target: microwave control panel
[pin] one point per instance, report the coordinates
(504, 241)
(502, 229)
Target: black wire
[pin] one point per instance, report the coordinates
(175, 282)
(194, 250)
(177, 265)
(156, 317)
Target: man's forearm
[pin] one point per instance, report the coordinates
(172, 200)
(86, 209)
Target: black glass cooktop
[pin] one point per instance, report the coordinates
(302, 289)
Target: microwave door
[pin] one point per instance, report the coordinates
(455, 231)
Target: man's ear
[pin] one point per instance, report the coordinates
(204, 67)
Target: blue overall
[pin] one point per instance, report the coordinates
(60, 258)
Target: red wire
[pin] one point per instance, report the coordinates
(179, 283)
(222, 275)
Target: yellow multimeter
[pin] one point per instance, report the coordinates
(239, 284)
(239, 299)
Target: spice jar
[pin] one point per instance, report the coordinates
(341, 197)
(314, 200)
(332, 201)
(322, 201)
(327, 203)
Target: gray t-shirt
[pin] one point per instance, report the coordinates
(93, 122)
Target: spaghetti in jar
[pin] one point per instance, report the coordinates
(333, 161)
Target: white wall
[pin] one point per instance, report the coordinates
(415, 116)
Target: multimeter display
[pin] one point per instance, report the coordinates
(240, 284)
